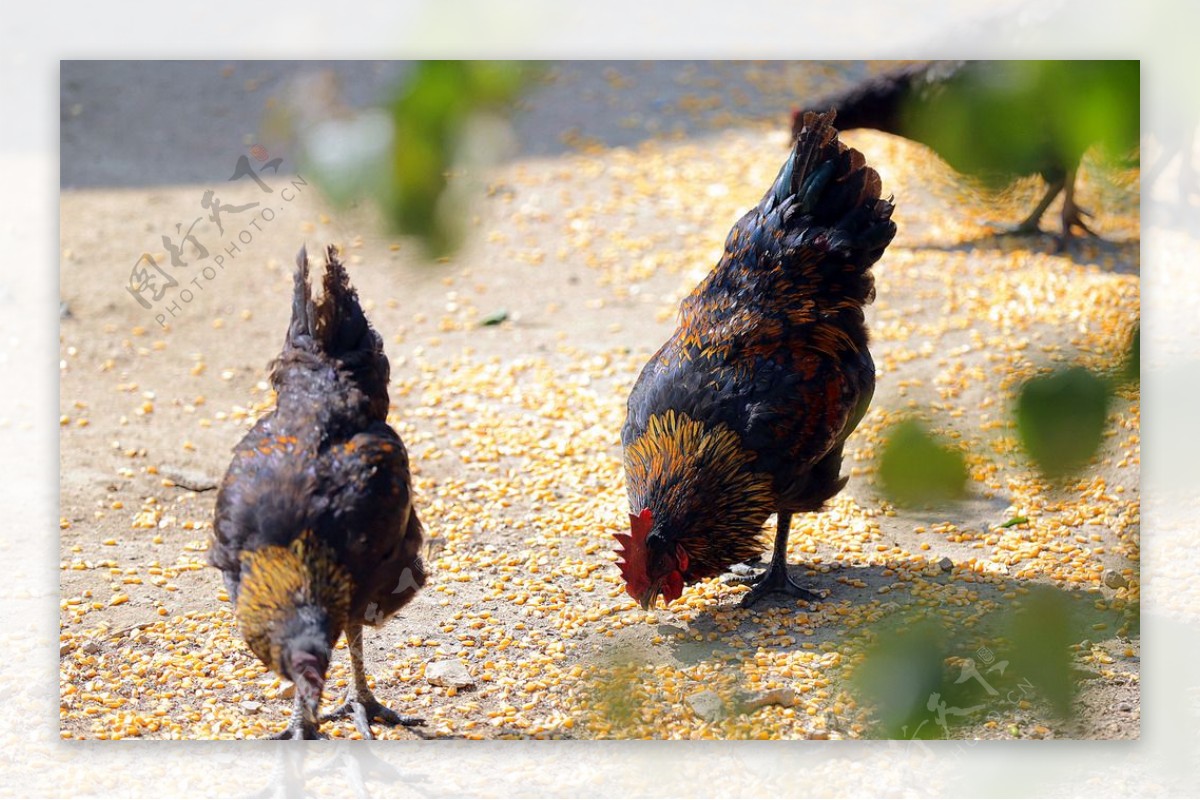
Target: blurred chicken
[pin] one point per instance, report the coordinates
(743, 413)
(997, 120)
(315, 531)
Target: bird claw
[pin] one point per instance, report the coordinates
(743, 575)
(362, 712)
(299, 731)
(775, 580)
(1029, 227)
(1074, 219)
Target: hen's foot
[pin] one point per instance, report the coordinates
(1025, 229)
(364, 711)
(300, 730)
(775, 580)
(1072, 217)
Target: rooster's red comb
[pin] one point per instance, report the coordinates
(632, 551)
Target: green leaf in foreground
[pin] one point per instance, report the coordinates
(916, 469)
(1041, 631)
(900, 671)
(1060, 418)
(1132, 372)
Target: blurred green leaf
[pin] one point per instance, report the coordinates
(1132, 373)
(1041, 632)
(998, 119)
(923, 673)
(915, 468)
(431, 114)
(414, 157)
(1060, 419)
(900, 671)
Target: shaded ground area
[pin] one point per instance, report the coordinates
(627, 179)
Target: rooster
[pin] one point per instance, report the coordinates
(315, 531)
(744, 412)
(999, 119)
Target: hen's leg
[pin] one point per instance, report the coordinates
(775, 579)
(1072, 215)
(302, 725)
(1030, 223)
(361, 705)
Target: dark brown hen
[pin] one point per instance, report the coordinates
(315, 531)
(744, 411)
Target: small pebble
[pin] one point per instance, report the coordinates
(1114, 579)
(707, 705)
(451, 673)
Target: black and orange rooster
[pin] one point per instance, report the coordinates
(743, 413)
(315, 531)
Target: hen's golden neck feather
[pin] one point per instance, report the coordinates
(278, 580)
(698, 482)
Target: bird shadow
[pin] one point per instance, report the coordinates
(1118, 256)
(995, 622)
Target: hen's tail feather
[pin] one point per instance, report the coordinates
(333, 329)
(301, 332)
(827, 199)
(341, 325)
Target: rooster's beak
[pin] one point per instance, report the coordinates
(648, 600)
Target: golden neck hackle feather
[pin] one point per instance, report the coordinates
(276, 580)
(678, 463)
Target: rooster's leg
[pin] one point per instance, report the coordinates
(1030, 223)
(361, 705)
(775, 579)
(1072, 215)
(302, 725)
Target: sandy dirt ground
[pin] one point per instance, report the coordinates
(624, 183)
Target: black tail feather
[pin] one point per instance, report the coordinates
(333, 330)
(827, 198)
(301, 332)
(341, 325)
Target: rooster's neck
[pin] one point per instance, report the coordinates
(699, 483)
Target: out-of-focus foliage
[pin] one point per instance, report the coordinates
(900, 670)
(1041, 630)
(446, 120)
(915, 468)
(1132, 371)
(1060, 419)
(445, 116)
(924, 674)
(997, 119)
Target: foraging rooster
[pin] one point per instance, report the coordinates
(997, 120)
(744, 411)
(315, 531)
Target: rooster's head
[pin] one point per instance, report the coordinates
(650, 565)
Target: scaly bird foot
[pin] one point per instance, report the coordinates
(363, 711)
(300, 730)
(1073, 218)
(287, 778)
(775, 580)
(1029, 227)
